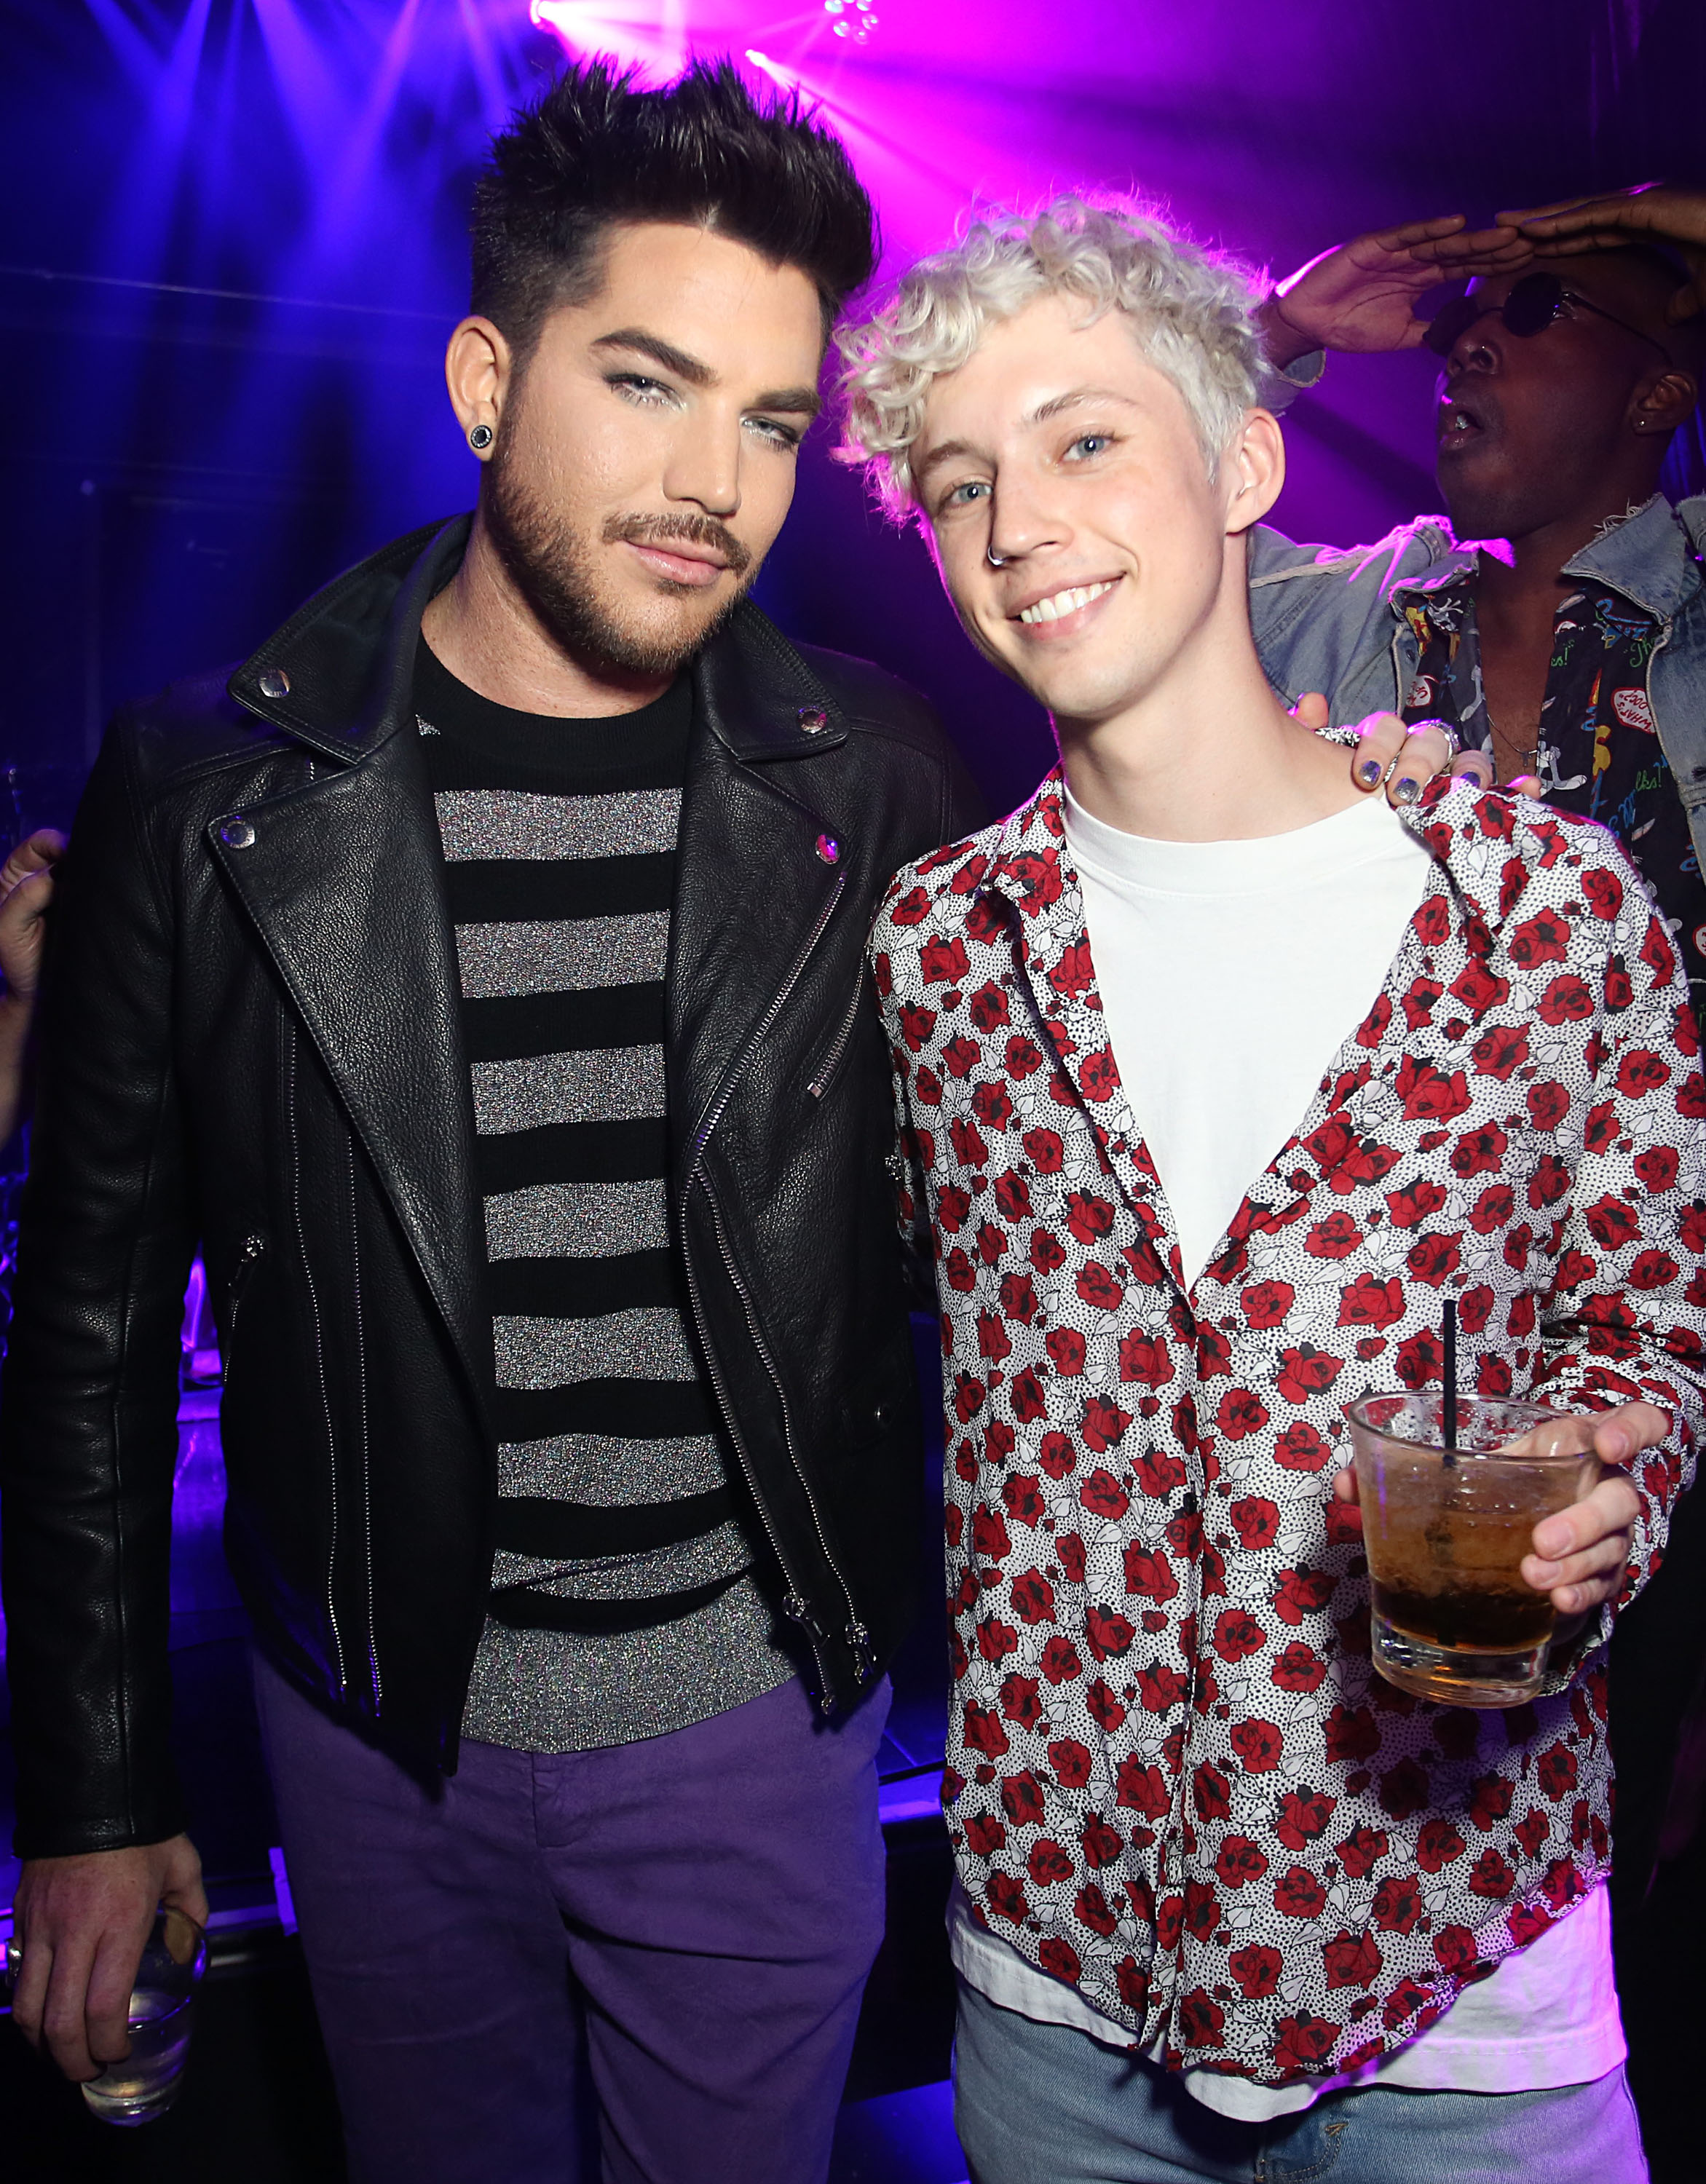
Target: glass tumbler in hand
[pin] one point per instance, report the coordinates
(145, 2083)
(1446, 1529)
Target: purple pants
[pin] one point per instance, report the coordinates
(681, 1927)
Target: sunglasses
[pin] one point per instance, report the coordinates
(1533, 303)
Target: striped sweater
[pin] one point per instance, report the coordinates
(623, 1601)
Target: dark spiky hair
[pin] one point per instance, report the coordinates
(594, 151)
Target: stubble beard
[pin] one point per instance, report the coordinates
(555, 569)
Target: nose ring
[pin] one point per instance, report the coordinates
(994, 560)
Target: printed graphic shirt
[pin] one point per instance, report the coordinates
(1230, 973)
(624, 1604)
(1598, 753)
(1174, 1781)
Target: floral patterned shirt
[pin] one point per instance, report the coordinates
(1598, 751)
(1174, 1780)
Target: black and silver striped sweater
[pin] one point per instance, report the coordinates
(624, 1601)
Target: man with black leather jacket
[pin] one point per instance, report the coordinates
(475, 975)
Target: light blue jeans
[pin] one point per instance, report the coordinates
(1046, 2104)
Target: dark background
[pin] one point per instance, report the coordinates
(232, 245)
(234, 241)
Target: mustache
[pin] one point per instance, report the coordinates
(688, 530)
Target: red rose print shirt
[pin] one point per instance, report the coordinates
(1174, 1781)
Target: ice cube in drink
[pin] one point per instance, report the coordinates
(1454, 1618)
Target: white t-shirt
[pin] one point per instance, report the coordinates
(1230, 974)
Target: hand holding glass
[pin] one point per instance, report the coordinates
(1446, 1531)
(145, 2083)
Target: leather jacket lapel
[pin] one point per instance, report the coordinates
(761, 871)
(344, 881)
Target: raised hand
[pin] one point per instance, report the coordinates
(1362, 294)
(26, 889)
(1611, 222)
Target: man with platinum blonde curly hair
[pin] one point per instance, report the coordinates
(1216, 1078)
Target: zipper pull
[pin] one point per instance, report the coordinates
(796, 1610)
(864, 1656)
(250, 1253)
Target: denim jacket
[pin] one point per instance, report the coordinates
(1331, 619)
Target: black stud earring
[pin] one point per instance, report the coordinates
(481, 438)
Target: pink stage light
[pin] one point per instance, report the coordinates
(773, 69)
(852, 19)
(648, 34)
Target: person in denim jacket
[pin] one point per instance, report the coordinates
(1568, 650)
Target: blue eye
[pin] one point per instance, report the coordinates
(636, 387)
(780, 435)
(961, 496)
(1090, 443)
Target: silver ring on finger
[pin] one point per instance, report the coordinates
(1445, 728)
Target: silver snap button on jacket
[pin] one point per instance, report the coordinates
(237, 834)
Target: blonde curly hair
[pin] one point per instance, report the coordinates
(1193, 313)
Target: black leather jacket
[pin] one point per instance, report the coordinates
(251, 1042)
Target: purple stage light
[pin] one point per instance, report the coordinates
(773, 69)
(647, 34)
(852, 19)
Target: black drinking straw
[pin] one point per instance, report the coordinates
(1451, 1380)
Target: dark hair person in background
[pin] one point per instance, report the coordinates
(476, 974)
(1570, 651)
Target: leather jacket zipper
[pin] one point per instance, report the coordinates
(794, 1603)
(713, 1114)
(373, 1677)
(250, 1253)
(320, 1363)
(795, 1606)
(832, 1060)
(857, 1637)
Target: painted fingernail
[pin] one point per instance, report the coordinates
(1370, 772)
(1405, 790)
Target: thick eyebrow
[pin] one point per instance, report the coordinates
(792, 401)
(660, 351)
(947, 451)
(1076, 399)
(952, 450)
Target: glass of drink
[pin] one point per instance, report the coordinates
(145, 2083)
(1445, 1530)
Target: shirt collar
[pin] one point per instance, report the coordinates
(1468, 830)
(1647, 556)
